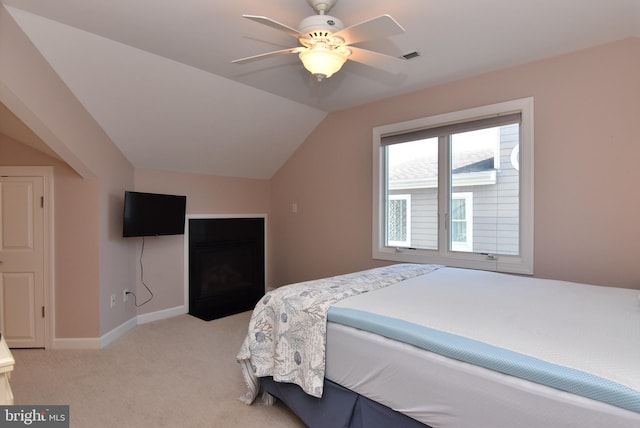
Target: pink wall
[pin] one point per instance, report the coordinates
(163, 256)
(35, 94)
(587, 106)
(76, 240)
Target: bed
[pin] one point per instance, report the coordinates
(426, 345)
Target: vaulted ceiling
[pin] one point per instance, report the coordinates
(157, 75)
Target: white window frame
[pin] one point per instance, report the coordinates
(523, 263)
(407, 199)
(467, 245)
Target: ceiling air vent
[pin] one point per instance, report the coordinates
(411, 55)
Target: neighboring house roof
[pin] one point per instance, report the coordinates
(426, 167)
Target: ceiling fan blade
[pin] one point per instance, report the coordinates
(375, 28)
(274, 24)
(377, 60)
(268, 54)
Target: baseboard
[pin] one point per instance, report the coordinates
(95, 342)
(161, 315)
(116, 333)
(84, 343)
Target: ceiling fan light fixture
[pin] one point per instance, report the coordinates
(325, 43)
(323, 63)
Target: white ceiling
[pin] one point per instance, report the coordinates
(158, 77)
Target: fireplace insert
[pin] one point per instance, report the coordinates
(226, 265)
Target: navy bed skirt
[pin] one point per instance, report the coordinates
(339, 407)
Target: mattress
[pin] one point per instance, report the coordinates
(286, 334)
(581, 328)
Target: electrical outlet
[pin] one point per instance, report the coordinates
(124, 294)
(113, 300)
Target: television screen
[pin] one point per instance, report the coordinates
(153, 214)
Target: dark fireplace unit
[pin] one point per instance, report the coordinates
(226, 265)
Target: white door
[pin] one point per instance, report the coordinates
(22, 293)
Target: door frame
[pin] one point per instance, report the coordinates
(46, 172)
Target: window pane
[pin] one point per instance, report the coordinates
(458, 210)
(481, 165)
(412, 169)
(459, 221)
(459, 231)
(397, 221)
(462, 222)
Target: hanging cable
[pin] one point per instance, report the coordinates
(135, 298)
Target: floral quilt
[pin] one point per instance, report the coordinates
(287, 331)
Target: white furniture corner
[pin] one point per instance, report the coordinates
(6, 367)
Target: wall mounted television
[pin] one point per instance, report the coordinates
(153, 214)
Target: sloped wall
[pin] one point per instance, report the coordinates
(33, 92)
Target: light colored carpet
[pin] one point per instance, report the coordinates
(179, 372)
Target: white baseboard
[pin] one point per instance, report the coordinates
(116, 333)
(84, 343)
(161, 315)
(95, 342)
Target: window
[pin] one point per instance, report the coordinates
(462, 221)
(457, 189)
(399, 220)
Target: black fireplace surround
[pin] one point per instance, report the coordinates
(226, 266)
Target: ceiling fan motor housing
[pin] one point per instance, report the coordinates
(320, 25)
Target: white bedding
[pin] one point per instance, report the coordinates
(447, 393)
(586, 328)
(286, 335)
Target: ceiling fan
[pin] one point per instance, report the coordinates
(326, 44)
